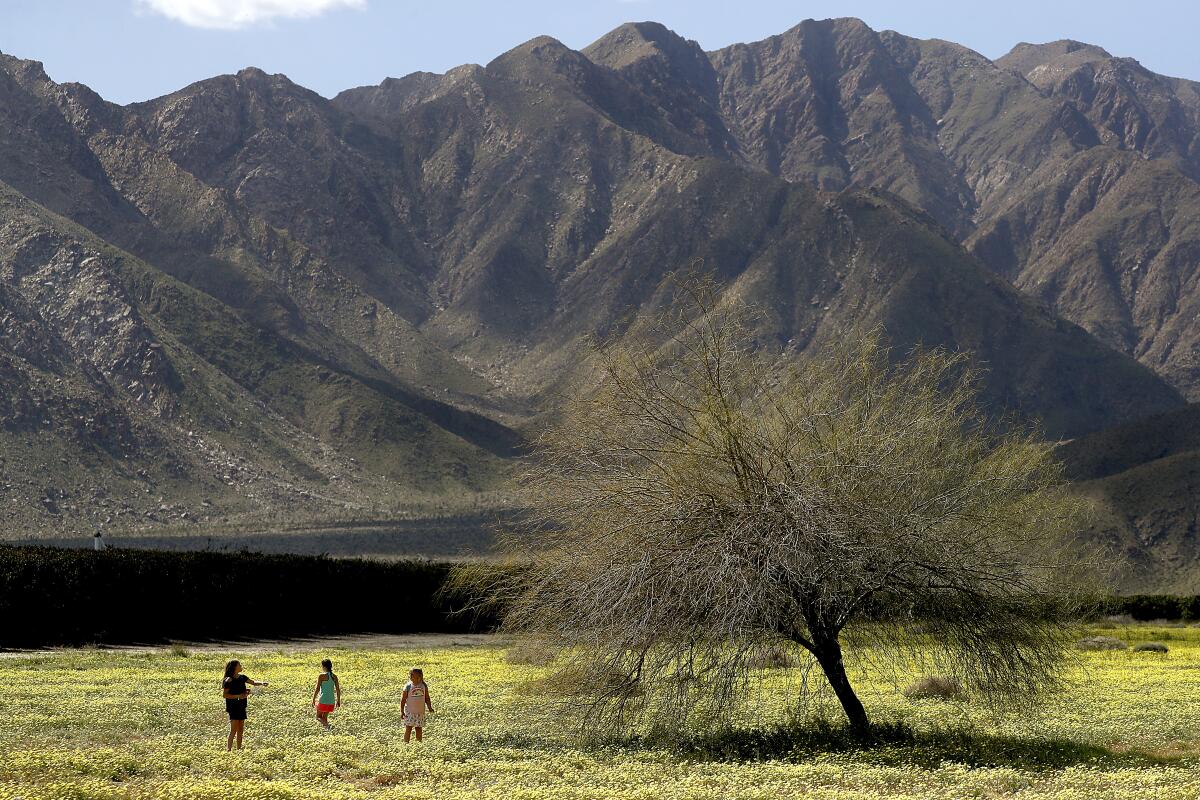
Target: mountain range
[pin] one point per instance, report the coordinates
(246, 304)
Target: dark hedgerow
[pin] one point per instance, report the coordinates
(1145, 607)
(54, 596)
(51, 596)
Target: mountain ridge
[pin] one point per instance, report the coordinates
(403, 278)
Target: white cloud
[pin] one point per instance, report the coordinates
(234, 14)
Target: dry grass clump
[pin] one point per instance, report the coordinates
(1101, 643)
(1151, 647)
(531, 654)
(575, 680)
(933, 687)
(774, 657)
(179, 650)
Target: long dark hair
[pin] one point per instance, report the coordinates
(229, 670)
(328, 665)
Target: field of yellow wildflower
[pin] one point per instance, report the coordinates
(115, 724)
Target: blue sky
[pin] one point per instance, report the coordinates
(131, 50)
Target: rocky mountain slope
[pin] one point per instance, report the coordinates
(132, 399)
(1144, 478)
(1067, 170)
(366, 303)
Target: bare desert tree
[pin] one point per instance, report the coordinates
(704, 502)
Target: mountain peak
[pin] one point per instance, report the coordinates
(837, 26)
(248, 79)
(650, 48)
(673, 72)
(538, 47)
(1061, 47)
(840, 39)
(24, 70)
(395, 95)
(254, 76)
(544, 60)
(635, 41)
(1066, 53)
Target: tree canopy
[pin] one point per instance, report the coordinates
(706, 500)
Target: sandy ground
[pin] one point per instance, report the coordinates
(373, 641)
(442, 538)
(442, 543)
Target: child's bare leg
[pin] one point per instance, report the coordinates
(241, 727)
(229, 741)
(418, 734)
(408, 733)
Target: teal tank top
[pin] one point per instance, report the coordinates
(328, 692)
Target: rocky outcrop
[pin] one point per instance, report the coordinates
(89, 312)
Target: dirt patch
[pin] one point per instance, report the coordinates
(369, 641)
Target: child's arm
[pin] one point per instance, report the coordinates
(253, 682)
(404, 700)
(337, 685)
(428, 702)
(317, 689)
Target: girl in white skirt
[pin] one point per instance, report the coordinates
(414, 701)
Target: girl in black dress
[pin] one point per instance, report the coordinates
(235, 692)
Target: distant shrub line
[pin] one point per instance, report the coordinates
(1146, 607)
(51, 596)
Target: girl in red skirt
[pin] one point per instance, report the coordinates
(327, 695)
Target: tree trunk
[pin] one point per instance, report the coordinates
(829, 656)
